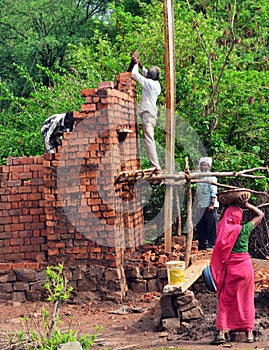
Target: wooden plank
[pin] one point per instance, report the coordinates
(192, 273)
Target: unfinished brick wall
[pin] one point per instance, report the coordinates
(83, 219)
(104, 142)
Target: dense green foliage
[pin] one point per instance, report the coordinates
(50, 50)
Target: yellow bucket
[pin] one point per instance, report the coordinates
(175, 272)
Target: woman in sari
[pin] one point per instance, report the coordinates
(233, 273)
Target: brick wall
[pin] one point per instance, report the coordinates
(83, 201)
(64, 207)
(22, 210)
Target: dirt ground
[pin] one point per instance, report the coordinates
(133, 324)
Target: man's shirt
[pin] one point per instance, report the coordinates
(151, 89)
(205, 191)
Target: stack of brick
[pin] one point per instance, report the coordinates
(179, 307)
(146, 279)
(22, 216)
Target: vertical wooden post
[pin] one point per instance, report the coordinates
(189, 217)
(170, 114)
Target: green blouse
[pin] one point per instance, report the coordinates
(241, 244)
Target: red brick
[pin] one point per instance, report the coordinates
(88, 107)
(95, 208)
(25, 218)
(36, 167)
(17, 241)
(96, 99)
(5, 169)
(34, 225)
(109, 100)
(13, 176)
(15, 256)
(53, 252)
(34, 196)
(88, 92)
(102, 106)
(36, 211)
(32, 265)
(16, 249)
(26, 248)
(5, 220)
(25, 175)
(17, 168)
(9, 161)
(5, 266)
(7, 249)
(3, 176)
(106, 85)
(18, 266)
(5, 206)
(36, 233)
(125, 74)
(89, 99)
(83, 115)
(47, 158)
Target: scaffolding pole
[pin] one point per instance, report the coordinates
(169, 45)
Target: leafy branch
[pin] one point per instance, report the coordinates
(58, 291)
(214, 86)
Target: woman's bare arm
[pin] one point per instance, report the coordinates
(258, 214)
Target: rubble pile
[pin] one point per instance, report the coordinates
(261, 279)
(145, 269)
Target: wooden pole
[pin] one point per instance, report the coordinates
(189, 218)
(178, 220)
(168, 11)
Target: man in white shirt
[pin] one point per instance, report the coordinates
(208, 207)
(151, 89)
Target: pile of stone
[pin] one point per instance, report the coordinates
(177, 307)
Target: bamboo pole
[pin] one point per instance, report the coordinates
(178, 220)
(170, 115)
(189, 219)
(152, 174)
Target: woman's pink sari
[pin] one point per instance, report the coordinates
(233, 276)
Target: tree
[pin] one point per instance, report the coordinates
(38, 32)
(221, 64)
(222, 75)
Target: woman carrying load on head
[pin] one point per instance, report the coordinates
(233, 273)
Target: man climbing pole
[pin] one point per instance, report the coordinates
(151, 89)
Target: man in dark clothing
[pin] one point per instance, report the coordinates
(54, 127)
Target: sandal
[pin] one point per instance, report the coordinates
(218, 340)
(249, 337)
(232, 335)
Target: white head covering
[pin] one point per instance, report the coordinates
(207, 160)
